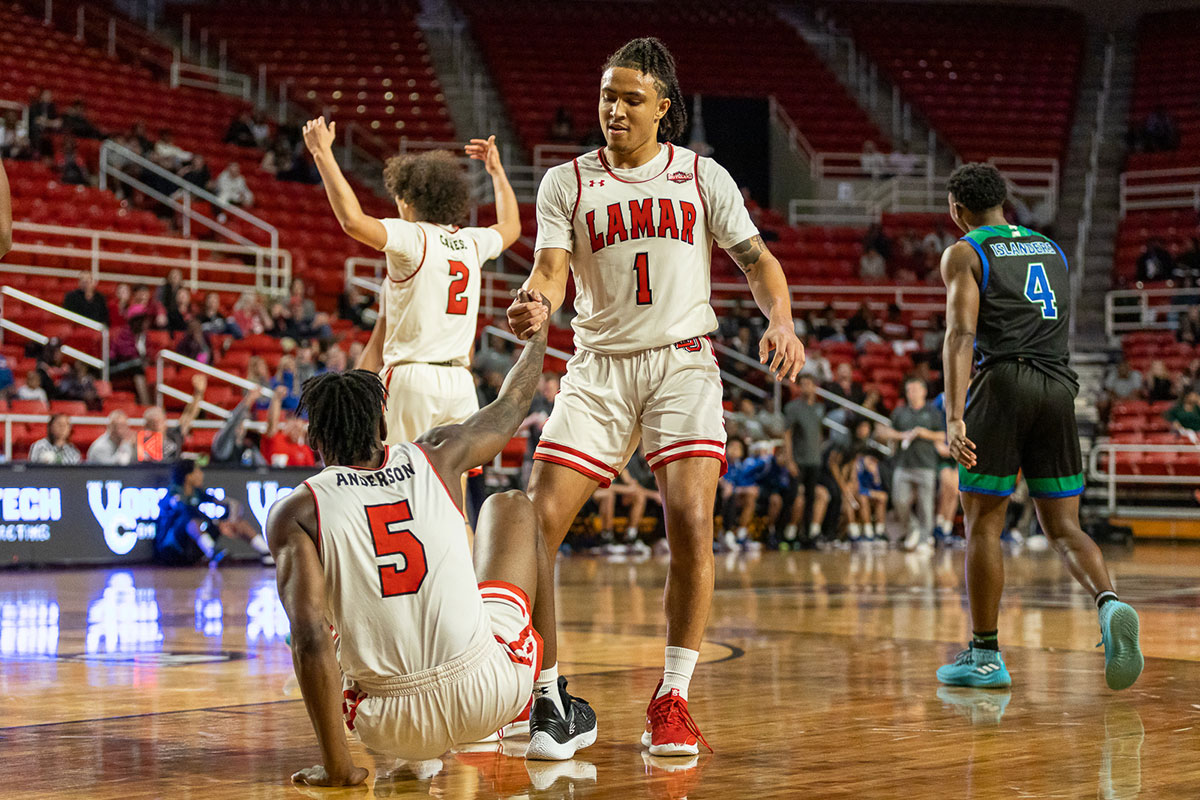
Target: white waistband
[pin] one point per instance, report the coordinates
(418, 682)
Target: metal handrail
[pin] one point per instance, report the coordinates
(100, 363)
(1159, 316)
(1110, 477)
(161, 388)
(224, 81)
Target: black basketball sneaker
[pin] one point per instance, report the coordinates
(553, 737)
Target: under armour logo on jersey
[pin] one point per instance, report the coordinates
(679, 177)
(596, 183)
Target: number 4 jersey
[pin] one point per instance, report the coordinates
(399, 581)
(431, 294)
(1024, 301)
(641, 244)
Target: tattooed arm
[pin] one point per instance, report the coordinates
(454, 449)
(771, 292)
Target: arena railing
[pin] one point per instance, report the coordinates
(7, 420)
(224, 81)
(917, 299)
(107, 259)
(1129, 310)
(162, 390)
(6, 324)
(1153, 189)
(1107, 474)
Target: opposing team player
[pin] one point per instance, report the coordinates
(434, 651)
(1007, 301)
(635, 222)
(430, 301)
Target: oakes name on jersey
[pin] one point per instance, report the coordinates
(643, 223)
(451, 244)
(381, 477)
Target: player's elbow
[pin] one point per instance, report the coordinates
(5, 243)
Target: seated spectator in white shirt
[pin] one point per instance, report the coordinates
(231, 186)
(937, 240)
(171, 153)
(116, 446)
(871, 265)
(56, 447)
(32, 390)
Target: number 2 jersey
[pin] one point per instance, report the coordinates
(641, 244)
(431, 291)
(399, 581)
(1024, 301)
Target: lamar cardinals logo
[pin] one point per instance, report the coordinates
(679, 177)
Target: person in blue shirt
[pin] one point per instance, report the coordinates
(192, 520)
(739, 490)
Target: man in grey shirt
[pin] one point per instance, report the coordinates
(919, 428)
(802, 441)
(116, 445)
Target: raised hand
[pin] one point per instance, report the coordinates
(528, 314)
(319, 136)
(485, 150)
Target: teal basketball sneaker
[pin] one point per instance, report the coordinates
(983, 669)
(1123, 659)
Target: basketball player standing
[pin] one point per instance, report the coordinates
(430, 300)
(635, 222)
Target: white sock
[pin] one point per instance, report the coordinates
(855, 530)
(943, 524)
(743, 533)
(789, 532)
(814, 530)
(631, 533)
(207, 544)
(677, 670)
(260, 545)
(546, 685)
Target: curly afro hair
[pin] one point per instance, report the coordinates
(432, 183)
(978, 187)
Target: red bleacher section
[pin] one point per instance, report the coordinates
(1167, 74)
(992, 81)
(721, 48)
(1175, 227)
(364, 61)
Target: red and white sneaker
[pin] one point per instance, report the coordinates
(670, 729)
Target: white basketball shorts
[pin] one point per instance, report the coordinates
(424, 396)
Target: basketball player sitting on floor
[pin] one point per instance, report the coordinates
(434, 651)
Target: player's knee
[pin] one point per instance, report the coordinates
(513, 506)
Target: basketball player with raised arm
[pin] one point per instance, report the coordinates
(429, 307)
(435, 651)
(635, 222)
(1007, 305)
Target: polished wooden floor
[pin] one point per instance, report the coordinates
(817, 683)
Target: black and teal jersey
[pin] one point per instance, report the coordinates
(1024, 301)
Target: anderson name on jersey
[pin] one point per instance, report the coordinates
(431, 295)
(641, 244)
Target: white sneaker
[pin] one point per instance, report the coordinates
(913, 539)
(729, 539)
(924, 547)
(1037, 543)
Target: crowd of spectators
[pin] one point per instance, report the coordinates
(1180, 388)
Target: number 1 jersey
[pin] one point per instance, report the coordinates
(431, 291)
(399, 581)
(641, 244)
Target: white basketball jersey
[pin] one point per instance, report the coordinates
(431, 294)
(641, 244)
(398, 575)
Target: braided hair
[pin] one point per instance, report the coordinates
(344, 410)
(650, 56)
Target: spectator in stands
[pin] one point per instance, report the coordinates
(285, 378)
(1184, 416)
(302, 170)
(1189, 326)
(1155, 262)
(844, 384)
(156, 312)
(71, 169)
(249, 316)
(902, 162)
(285, 444)
(1187, 265)
(7, 379)
(14, 138)
(305, 363)
(52, 367)
(172, 155)
(241, 130)
(55, 447)
(256, 370)
(194, 342)
(231, 188)
(816, 364)
(826, 326)
(80, 384)
(937, 240)
(745, 420)
(1160, 131)
(168, 292)
(872, 496)
(1160, 385)
(235, 444)
(875, 239)
(334, 361)
(739, 490)
(562, 127)
(86, 300)
(213, 320)
(280, 158)
(158, 443)
(129, 352)
(355, 354)
(197, 173)
(1121, 383)
(116, 445)
(76, 123)
(181, 311)
(535, 420)
(185, 533)
(863, 319)
(770, 419)
(637, 486)
(261, 130)
(893, 326)
(357, 307)
(918, 427)
(871, 265)
(802, 442)
(281, 324)
(871, 161)
(43, 121)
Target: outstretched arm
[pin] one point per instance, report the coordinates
(508, 215)
(5, 214)
(961, 269)
(454, 449)
(318, 137)
(371, 358)
(774, 299)
(548, 279)
(192, 410)
(291, 535)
